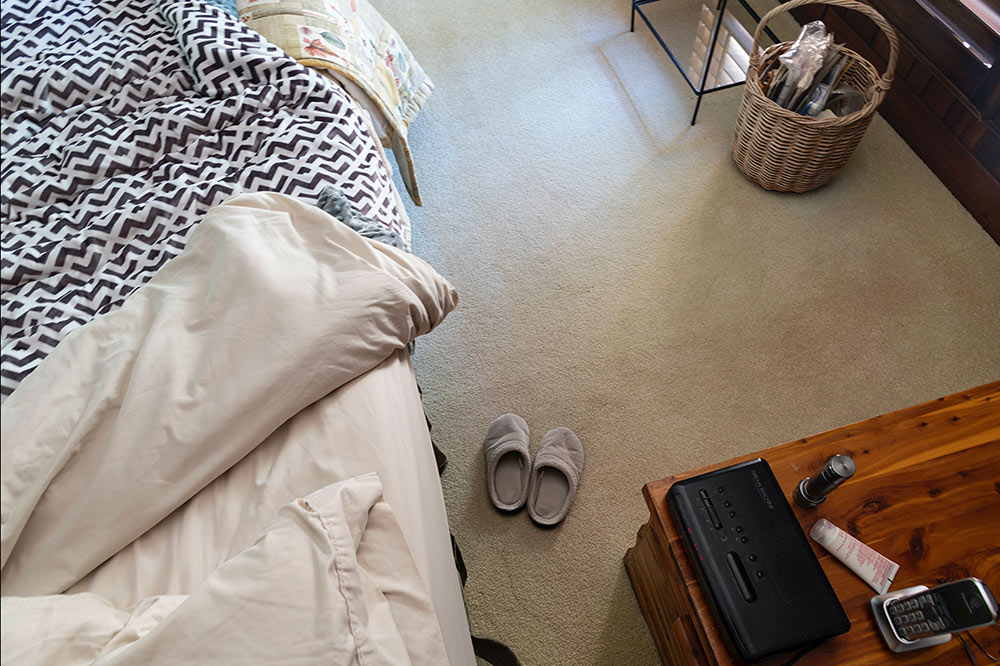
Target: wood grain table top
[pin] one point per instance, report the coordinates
(926, 495)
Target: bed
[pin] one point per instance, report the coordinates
(213, 444)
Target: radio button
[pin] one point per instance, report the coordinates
(712, 514)
(740, 575)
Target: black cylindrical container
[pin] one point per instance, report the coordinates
(811, 491)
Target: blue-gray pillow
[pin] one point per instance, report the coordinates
(228, 6)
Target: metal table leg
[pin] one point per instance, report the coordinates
(699, 90)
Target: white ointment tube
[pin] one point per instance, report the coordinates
(876, 569)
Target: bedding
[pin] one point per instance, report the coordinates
(152, 517)
(201, 413)
(123, 122)
(335, 203)
(329, 580)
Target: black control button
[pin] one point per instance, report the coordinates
(931, 613)
(713, 516)
(740, 574)
(727, 504)
(721, 490)
(739, 529)
(743, 539)
(752, 557)
(703, 493)
(760, 574)
(732, 514)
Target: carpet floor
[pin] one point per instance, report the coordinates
(618, 276)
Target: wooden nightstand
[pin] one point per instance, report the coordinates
(926, 495)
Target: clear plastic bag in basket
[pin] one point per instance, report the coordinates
(803, 59)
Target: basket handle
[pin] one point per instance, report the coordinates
(883, 84)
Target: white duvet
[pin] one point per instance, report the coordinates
(175, 427)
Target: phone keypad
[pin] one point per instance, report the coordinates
(915, 617)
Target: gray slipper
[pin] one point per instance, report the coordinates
(507, 462)
(555, 476)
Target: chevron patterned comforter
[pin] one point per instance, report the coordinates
(123, 122)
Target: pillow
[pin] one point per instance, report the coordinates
(351, 40)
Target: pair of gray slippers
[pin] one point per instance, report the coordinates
(548, 486)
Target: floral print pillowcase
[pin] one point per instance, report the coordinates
(351, 38)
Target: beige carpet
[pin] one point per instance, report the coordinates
(618, 276)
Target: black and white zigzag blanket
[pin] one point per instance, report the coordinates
(123, 122)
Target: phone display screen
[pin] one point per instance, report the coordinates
(965, 605)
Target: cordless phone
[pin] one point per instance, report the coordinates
(950, 607)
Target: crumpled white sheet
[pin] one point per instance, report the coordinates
(272, 305)
(327, 582)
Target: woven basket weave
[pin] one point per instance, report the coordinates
(781, 150)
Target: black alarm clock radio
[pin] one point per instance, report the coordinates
(764, 584)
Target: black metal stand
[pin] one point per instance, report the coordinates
(699, 89)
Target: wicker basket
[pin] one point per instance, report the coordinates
(781, 150)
